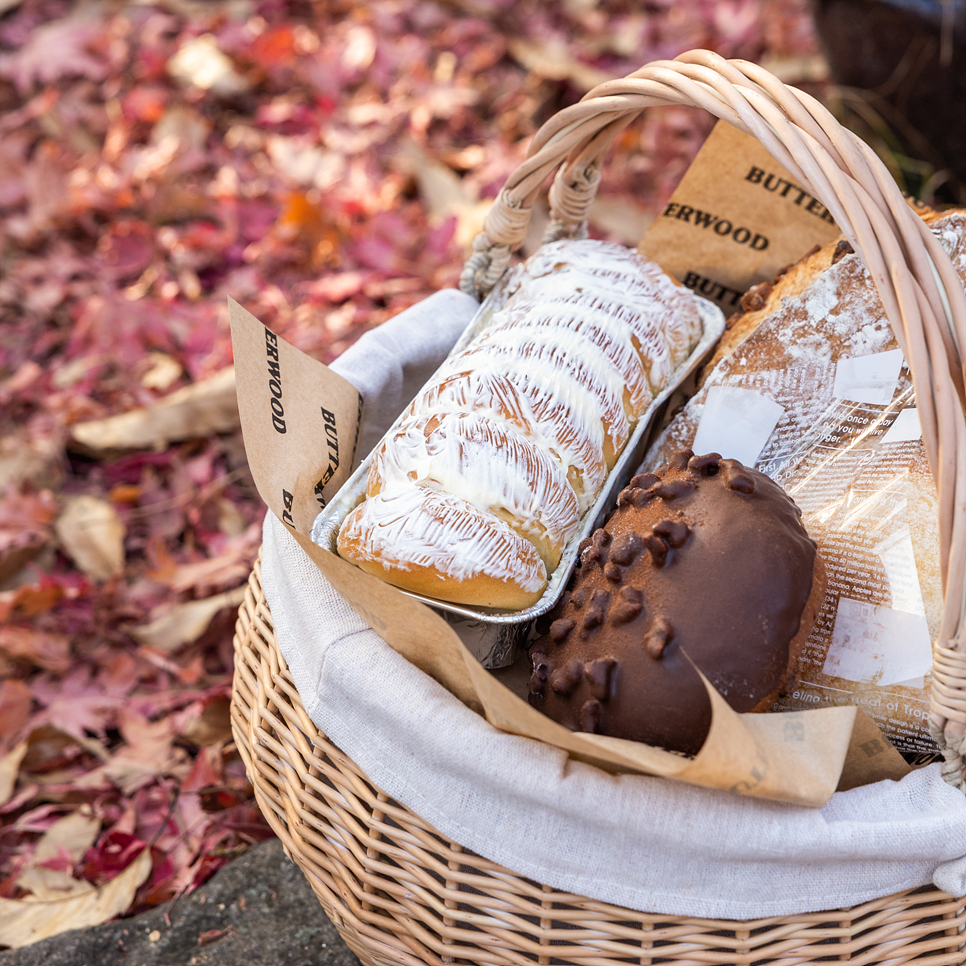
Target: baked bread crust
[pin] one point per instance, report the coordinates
(462, 499)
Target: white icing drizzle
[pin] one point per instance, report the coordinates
(490, 465)
(564, 419)
(616, 270)
(603, 333)
(553, 358)
(411, 527)
(586, 308)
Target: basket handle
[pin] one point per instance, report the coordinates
(923, 297)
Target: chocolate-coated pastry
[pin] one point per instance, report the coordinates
(704, 560)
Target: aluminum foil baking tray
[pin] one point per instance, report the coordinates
(496, 637)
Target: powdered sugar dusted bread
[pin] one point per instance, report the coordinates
(475, 492)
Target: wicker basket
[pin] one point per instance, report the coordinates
(398, 891)
(401, 894)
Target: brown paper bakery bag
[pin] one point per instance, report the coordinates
(736, 218)
(797, 757)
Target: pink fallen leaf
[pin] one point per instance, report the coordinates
(213, 935)
(23, 922)
(55, 50)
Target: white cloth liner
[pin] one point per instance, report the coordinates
(646, 843)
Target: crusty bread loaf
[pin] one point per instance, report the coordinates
(474, 494)
(847, 448)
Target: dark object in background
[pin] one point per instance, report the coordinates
(903, 63)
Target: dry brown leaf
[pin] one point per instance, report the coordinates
(445, 194)
(74, 833)
(92, 535)
(205, 407)
(51, 884)
(23, 922)
(185, 623)
(551, 59)
(163, 372)
(9, 769)
(31, 457)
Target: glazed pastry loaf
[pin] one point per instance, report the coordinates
(476, 490)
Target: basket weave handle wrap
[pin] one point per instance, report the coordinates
(922, 295)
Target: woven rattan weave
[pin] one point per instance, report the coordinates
(401, 894)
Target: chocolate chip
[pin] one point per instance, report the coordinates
(590, 555)
(626, 547)
(672, 489)
(560, 630)
(589, 716)
(565, 679)
(675, 532)
(624, 611)
(596, 610)
(706, 465)
(657, 638)
(737, 477)
(613, 572)
(658, 549)
(598, 674)
(541, 665)
(600, 538)
(644, 481)
(679, 459)
(629, 603)
(579, 597)
(541, 671)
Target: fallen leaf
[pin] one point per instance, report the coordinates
(51, 884)
(200, 62)
(9, 769)
(41, 648)
(163, 372)
(206, 407)
(15, 702)
(74, 833)
(23, 922)
(184, 623)
(211, 727)
(445, 194)
(92, 535)
(213, 935)
(552, 60)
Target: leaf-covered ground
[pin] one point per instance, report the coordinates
(326, 164)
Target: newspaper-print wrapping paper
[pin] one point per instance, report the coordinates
(647, 843)
(818, 397)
